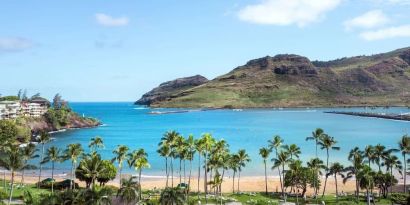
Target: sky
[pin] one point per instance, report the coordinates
(117, 50)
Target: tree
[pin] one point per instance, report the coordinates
(356, 158)
(199, 146)
(191, 148)
(234, 165)
(43, 138)
(243, 158)
(120, 155)
(207, 141)
(28, 153)
(108, 173)
(383, 181)
(8, 132)
(57, 101)
(327, 142)
(165, 151)
(281, 160)
(316, 165)
(168, 139)
(316, 136)
(292, 150)
(11, 160)
(366, 180)
(89, 169)
(138, 160)
(392, 162)
(129, 191)
(73, 152)
(264, 153)
(369, 153)
(53, 155)
(172, 196)
(96, 143)
(336, 169)
(301, 177)
(379, 153)
(275, 144)
(404, 146)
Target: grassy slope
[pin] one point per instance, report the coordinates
(262, 88)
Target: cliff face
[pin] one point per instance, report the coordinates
(291, 81)
(166, 90)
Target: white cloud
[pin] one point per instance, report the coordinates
(385, 33)
(370, 19)
(14, 44)
(107, 20)
(287, 12)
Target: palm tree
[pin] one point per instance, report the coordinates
(28, 153)
(392, 162)
(292, 150)
(243, 158)
(191, 148)
(275, 144)
(264, 153)
(138, 160)
(336, 169)
(366, 180)
(207, 141)
(234, 165)
(43, 139)
(180, 151)
(73, 152)
(316, 165)
(316, 135)
(369, 153)
(165, 151)
(404, 146)
(168, 139)
(120, 155)
(129, 191)
(96, 143)
(172, 196)
(356, 158)
(11, 160)
(92, 167)
(327, 142)
(199, 147)
(379, 153)
(53, 155)
(280, 161)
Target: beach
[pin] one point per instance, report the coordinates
(247, 183)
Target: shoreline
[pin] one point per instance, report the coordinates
(247, 183)
(388, 116)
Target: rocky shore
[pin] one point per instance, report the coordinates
(391, 116)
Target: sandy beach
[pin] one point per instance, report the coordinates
(247, 183)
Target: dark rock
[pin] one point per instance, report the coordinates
(168, 89)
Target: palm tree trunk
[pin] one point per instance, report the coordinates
(172, 173)
(22, 176)
(139, 180)
(199, 170)
(184, 173)
(404, 173)
(166, 170)
(180, 170)
(4, 179)
(189, 179)
(120, 170)
(40, 167)
(337, 193)
(52, 177)
(12, 186)
(283, 181)
(72, 175)
(266, 179)
(206, 174)
(327, 168)
(239, 179)
(233, 182)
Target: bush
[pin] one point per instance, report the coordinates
(400, 198)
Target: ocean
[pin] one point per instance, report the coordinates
(249, 129)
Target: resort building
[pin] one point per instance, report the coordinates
(14, 109)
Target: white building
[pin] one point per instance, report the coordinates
(14, 109)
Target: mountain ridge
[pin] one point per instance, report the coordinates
(290, 80)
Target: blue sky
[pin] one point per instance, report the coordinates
(117, 50)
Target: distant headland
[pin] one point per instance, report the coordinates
(289, 80)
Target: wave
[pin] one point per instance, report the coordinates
(140, 108)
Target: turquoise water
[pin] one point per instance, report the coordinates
(131, 125)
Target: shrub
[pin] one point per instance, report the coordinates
(399, 198)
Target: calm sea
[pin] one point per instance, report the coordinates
(250, 129)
